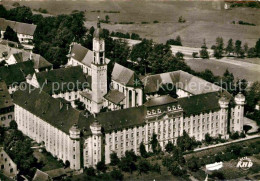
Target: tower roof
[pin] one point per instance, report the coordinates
(99, 31)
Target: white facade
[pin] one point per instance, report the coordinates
(58, 143)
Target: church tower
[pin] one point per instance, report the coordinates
(99, 70)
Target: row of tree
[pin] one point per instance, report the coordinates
(235, 49)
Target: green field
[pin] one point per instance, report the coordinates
(203, 19)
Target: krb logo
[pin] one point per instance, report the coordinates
(245, 163)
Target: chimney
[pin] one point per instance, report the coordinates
(67, 106)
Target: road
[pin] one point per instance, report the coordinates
(240, 69)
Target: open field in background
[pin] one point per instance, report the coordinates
(203, 19)
(240, 69)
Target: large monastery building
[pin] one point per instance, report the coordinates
(135, 108)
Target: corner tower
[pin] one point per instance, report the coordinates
(239, 113)
(74, 148)
(99, 69)
(224, 104)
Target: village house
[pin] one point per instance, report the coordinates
(6, 106)
(24, 31)
(7, 166)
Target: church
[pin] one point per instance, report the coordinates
(137, 108)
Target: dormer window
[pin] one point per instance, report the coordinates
(169, 109)
(149, 112)
(159, 110)
(174, 108)
(153, 111)
(179, 107)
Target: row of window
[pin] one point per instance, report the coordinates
(3, 118)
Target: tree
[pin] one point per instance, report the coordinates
(3, 11)
(238, 48)
(208, 138)
(21, 14)
(230, 47)
(16, 4)
(208, 76)
(19, 149)
(241, 86)
(143, 166)
(253, 96)
(234, 135)
(176, 169)
(251, 53)
(114, 160)
(246, 48)
(101, 166)
(107, 19)
(67, 164)
(195, 54)
(142, 149)
(179, 56)
(117, 175)
(127, 164)
(257, 48)
(227, 81)
(155, 144)
(184, 142)
(219, 47)
(156, 168)
(169, 147)
(130, 154)
(203, 52)
(10, 34)
(13, 125)
(178, 41)
(90, 171)
(193, 164)
(140, 53)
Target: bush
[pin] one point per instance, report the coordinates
(234, 135)
(193, 164)
(208, 138)
(114, 160)
(195, 55)
(245, 23)
(155, 21)
(143, 166)
(13, 125)
(181, 20)
(90, 171)
(156, 168)
(101, 166)
(169, 147)
(116, 175)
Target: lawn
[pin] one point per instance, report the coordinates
(49, 161)
(203, 19)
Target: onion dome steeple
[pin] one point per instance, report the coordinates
(99, 31)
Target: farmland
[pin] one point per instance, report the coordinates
(203, 19)
(240, 69)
